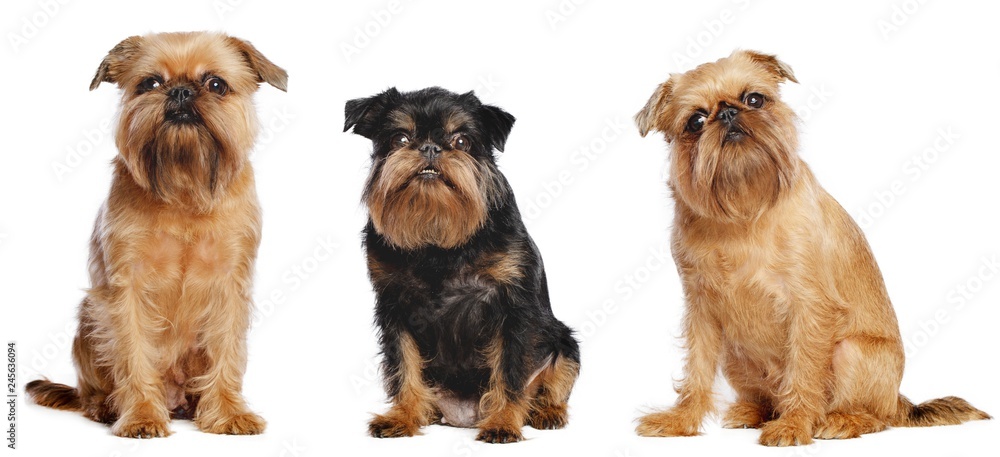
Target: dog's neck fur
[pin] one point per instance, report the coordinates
(188, 187)
(801, 191)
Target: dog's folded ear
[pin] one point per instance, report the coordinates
(267, 71)
(116, 61)
(779, 69)
(648, 117)
(496, 125)
(362, 113)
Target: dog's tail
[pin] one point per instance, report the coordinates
(566, 344)
(54, 395)
(941, 411)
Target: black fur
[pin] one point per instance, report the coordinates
(439, 296)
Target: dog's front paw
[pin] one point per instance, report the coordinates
(99, 410)
(391, 427)
(782, 432)
(745, 415)
(499, 435)
(668, 423)
(839, 426)
(140, 427)
(236, 424)
(549, 418)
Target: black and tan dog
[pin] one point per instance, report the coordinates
(467, 333)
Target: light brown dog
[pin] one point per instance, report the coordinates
(163, 327)
(781, 288)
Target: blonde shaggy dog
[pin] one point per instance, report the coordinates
(163, 327)
(781, 288)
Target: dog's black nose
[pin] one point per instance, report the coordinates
(727, 114)
(430, 150)
(182, 94)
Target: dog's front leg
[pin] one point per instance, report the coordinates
(801, 399)
(412, 400)
(504, 406)
(138, 394)
(221, 408)
(703, 338)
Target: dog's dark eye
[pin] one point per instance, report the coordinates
(754, 100)
(461, 142)
(149, 84)
(399, 140)
(696, 122)
(217, 85)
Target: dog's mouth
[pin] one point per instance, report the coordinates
(429, 173)
(182, 116)
(432, 175)
(734, 134)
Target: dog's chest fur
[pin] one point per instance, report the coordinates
(748, 285)
(452, 317)
(445, 302)
(185, 264)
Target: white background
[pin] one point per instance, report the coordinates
(873, 100)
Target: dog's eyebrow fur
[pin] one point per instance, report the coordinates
(455, 120)
(402, 121)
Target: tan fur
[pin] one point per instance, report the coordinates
(402, 121)
(164, 324)
(549, 393)
(503, 412)
(499, 413)
(781, 288)
(456, 120)
(504, 267)
(414, 406)
(377, 272)
(411, 212)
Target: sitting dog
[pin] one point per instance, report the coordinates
(466, 329)
(163, 327)
(781, 288)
